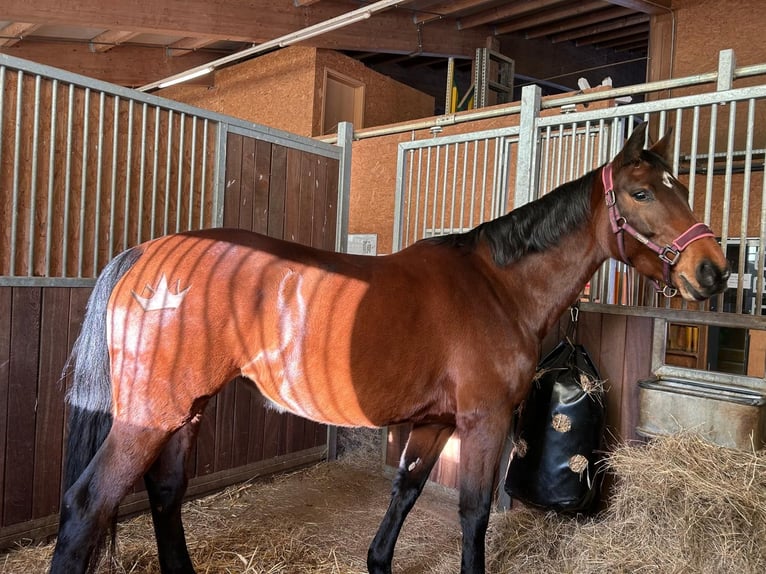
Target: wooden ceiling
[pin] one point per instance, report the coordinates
(134, 42)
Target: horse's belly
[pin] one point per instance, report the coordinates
(309, 391)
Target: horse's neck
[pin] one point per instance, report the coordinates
(551, 280)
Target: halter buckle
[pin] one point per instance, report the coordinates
(610, 198)
(669, 255)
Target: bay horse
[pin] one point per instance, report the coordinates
(444, 334)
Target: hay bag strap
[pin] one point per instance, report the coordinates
(558, 433)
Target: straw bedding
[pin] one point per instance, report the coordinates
(678, 505)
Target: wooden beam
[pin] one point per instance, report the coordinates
(621, 23)
(187, 45)
(14, 32)
(566, 18)
(254, 21)
(109, 39)
(645, 6)
(130, 66)
(624, 32)
(504, 12)
(446, 9)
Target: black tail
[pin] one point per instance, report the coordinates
(90, 396)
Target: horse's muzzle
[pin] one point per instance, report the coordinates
(711, 280)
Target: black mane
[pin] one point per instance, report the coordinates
(531, 228)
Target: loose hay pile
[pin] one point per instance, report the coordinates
(679, 505)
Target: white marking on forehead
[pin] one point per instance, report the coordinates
(667, 179)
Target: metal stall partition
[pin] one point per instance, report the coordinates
(88, 169)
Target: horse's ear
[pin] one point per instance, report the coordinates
(662, 147)
(631, 152)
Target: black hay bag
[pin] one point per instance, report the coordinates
(557, 435)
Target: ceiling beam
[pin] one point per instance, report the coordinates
(645, 6)
(445, 9)
(187, 45)
(109, 39)
(624, 32)
(563, 18)
(505, 12)
(255, 21)
(131, 65)
(596, 29)
(14, 32)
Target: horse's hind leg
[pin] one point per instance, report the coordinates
(90, 504)
(424, 445)
(166, 483)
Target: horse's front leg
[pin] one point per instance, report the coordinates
(424, 445)
(482, 437)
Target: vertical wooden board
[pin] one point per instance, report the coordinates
(224, 427)
(308, 184)
(292, 195)
(257, 419)
(277, 192)
(247, 185)
(241, 421)
(293, 437)
(262, 182)
(319, 217)
(611, 359)
(233, 180)
(588, 333)
(205, 451)
(5, 360)
(272, 431)
(22, 391)
(638, 365)
(331, 203)
(50, 404)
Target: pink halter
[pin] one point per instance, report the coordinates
(668, 254)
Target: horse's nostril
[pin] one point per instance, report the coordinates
(711, 276)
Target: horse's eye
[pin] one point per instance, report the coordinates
(640, 195)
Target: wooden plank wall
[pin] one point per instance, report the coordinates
(271, 189)
(620, 346)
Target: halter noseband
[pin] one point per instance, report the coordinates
(668, 254)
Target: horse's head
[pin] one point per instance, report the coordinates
(654, 229)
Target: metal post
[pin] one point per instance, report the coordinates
(345, 140)
(527, 176)
(726, 68)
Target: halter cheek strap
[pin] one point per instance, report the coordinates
(669, 254)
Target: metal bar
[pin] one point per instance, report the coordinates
(345, 137)
(33, 179)
(743, 225)
(67, 180)
(16, 170)
(141, 175)
(179, 169)
(128, 177)
(83, 182)
(192, 170)
(155, 176)
(99, 170)
(168, 169)
(51, 175)
(444, 190)
(203, 175)
(113, 183)
(693, 159)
